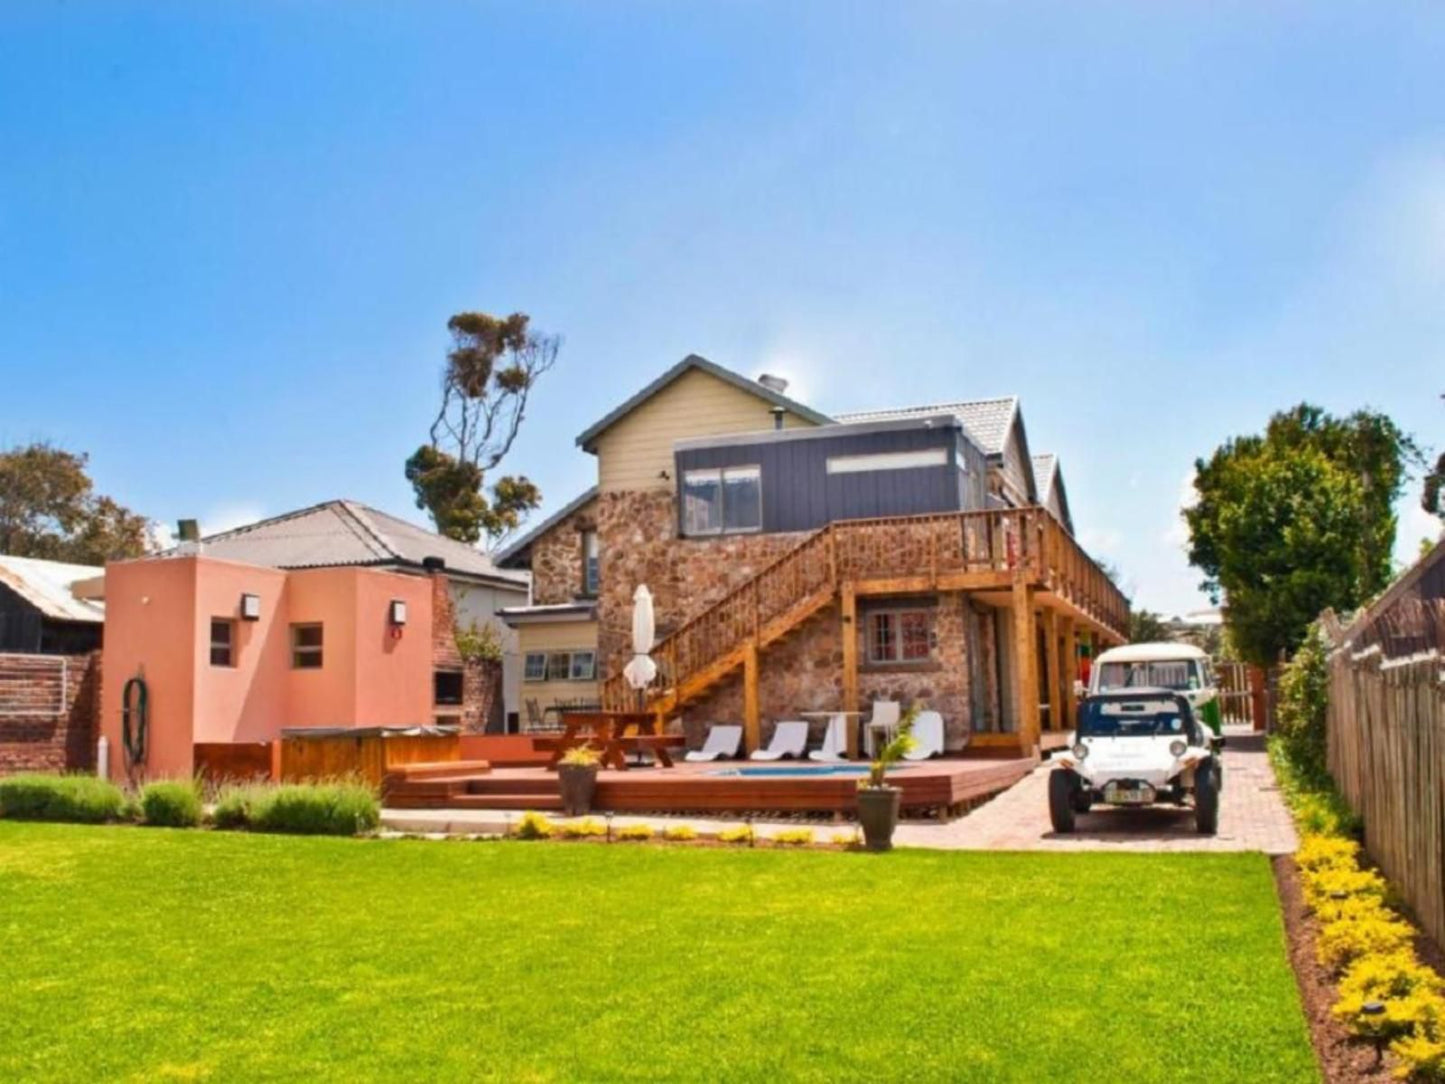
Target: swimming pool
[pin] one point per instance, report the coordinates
(784, 771)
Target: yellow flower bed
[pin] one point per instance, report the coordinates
(1385, 993)
(743, 833)
(679, 833)
(794, 837)
(636, 833)
(587, 828)
(535, 826)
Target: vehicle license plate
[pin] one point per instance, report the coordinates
(1128, 795)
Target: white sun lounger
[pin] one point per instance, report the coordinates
(835, 741)
(722, 743)
(927, 736)
(789, 740)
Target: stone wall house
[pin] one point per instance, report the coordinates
(793, 471)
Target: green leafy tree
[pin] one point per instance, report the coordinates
(1297, 520)
(490, 372)
(48, 509)
(1146, 626)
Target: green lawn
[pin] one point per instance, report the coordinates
(146, 954)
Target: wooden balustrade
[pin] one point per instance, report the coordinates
(907, 554)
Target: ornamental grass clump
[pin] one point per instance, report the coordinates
(338, 808)
(233, 805)
(635, 833)
(679, 833)
(81, 799)
(171, 803)
(743, 833)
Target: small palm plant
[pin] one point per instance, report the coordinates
(893, 752)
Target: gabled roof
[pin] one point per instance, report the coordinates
(1047, 474)
(341, 532)
(514, 553)
(587, 438)
(47, 586)
(988, 421)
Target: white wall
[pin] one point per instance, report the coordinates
(479, 603)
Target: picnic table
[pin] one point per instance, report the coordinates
(608, 730)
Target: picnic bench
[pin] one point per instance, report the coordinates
(608, 732)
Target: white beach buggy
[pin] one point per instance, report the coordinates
(1143, 747)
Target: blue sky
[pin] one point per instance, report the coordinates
(231, 234)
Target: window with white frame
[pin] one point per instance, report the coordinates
(900, 636)
(576, 665)
(722, 500)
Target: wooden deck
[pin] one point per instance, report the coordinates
(940, 787)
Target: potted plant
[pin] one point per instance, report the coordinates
(577, 774)
(877, 800)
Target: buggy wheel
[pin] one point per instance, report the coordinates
(1082, 802)
(1063, 788)
(1206, 798)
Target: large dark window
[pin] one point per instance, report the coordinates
(724, 500)
(447, 686)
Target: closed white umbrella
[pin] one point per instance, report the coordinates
(641, 670)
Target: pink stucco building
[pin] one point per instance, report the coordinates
(234, 652)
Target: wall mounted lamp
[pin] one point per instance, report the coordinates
(250, 607)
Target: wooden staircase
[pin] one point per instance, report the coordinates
(990, 551)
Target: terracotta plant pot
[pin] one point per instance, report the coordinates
(578, 783)
(878, 814)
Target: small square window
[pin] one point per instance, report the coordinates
(223, 642)
(900, 636)
(306, 647)
(584, 665)
(535, 668)
(559, 665)
(447, 687)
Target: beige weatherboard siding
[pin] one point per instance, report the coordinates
(549, 636)
(635, 452)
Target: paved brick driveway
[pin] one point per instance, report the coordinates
(1252, 817)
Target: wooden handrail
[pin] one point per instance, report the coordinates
(1009, 540)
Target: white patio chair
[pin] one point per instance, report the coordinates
(927, 736)
(789, 740)
(883, 723)
(835, 741)
(722, 742)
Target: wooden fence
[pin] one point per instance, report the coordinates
(1386, 730)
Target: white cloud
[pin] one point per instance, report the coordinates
(1103, 541)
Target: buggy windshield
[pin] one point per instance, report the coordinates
(1121, 719)
(1177, 674)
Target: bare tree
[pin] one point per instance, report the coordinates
(488, 379)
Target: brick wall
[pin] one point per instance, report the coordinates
(49, 712)
(444, 653)
(481, 678)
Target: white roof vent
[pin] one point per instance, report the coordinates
(773, 383)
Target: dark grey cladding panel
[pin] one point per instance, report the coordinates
(799, 494)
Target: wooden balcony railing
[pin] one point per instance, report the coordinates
(945, 551)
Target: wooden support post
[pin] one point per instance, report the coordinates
(1070, 660)
(1026, 665)
(1052, 670)
(848, 630)
(752, 713)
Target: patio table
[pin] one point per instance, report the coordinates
(850, 729)
(608, 729)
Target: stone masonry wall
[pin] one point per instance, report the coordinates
(49, 721)
(804, 672)
(481, 678)
(638, 542)
(557, 558)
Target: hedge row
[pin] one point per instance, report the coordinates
(340, 808)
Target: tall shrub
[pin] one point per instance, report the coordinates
(80, 798)
(1304, 696)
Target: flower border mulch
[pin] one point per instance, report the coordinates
(1342, 1059)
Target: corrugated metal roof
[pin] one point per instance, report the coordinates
(347, 533)
(987, 420)
(46, 585)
